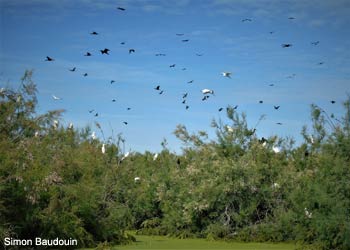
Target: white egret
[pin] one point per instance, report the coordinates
(307, 213)
(137, 179)
(93, 135)
(226, 74)
(276, 149)
(103, 149)
(56, 98)
(155, 156)
(207, 91)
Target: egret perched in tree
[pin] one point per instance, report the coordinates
(226, 74)
(207, 91)
(229, 129)
(55, 124)
(103, 149)
(276, 149)
(93, 135)
(70, 126)
(307, 213)
(155, 156)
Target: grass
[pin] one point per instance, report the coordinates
(162, 242)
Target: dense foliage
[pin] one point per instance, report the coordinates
(56, 182)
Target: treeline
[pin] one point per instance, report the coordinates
(55, 181)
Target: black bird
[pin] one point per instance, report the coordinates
(128, 108)
(157, 88)
(271, 85)
(332, 101)
(190, 81)
(183, 69)
(276, 107)
(235, 107)
(178, 161)
(271, 32)
(220, 109)
(205, 97)
(180, 34)
(122, 43)
(263, 140)
(315, 43)
(199, 54)
(291, 76)
(125, 123)
(120, 8)
(104, 51)
(261, 101)
(184, 101)
(160, 54)
(94, 33)
(286, 45)
(131, 51)
(320, 63)
(279, 123)
(185, 95)
(185, 40)
(87, 54)
(246, 20)
(73, 69)
(90, 111)
(112, 81)
(172, 66)
(86, 74)
(96, 114)
(49, 59)
(114, 100)
(161, 92)
(291, 18)
(187, 107)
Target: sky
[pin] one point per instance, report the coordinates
(305, 73)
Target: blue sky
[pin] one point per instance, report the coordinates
(30, 30)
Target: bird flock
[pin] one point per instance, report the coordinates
(206, 92)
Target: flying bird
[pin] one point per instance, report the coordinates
(157, 88)
(120, 8)
(291, 18)
(104, 51)
(160, 54)
(90, 111)
(315, 43)
(205, 97)
(271, 84)
(246, 20)
(172, 66)
(114, 100)
(180, 34)
(320, 63)
(94, 33)
(207, 91)
(161, 92)
(187, 107)
(235, 107)
(190, 81)
(122, 43)
(112, 81)
(184, 95)
(49, 59)
(220, 109)
(332, 101)
(125, 123)
(86, 74)
(131, 51)
(184, 101)
(185, 40)
(279, 123)
(183, 69)
(73, 69)
(286, 45)
(261, 101)
(56, 98)
(271, 32)
(226, 74)
(87, 54)
(96, 114)
(199, 54)
(276, 107)
(128, 108)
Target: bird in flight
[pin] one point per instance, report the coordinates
(180, 34)
(205, 97)
(161, 92)
(183, 69)
(128, 108)
(92, 110)
(279, 123)
(86, 74)
(122, 43)
(286, 45)
(276, 107)
(49, 59)
(112, 81)
(185, 40)
(184, 95)
(160, 54)
(235, 107)
(87, 54)
(261, 101)
(271, 32)
(104, 51)
(220, 109)
(320, 63)
(187, 107)
(184, 101)
(120, 8)
(271, 84)
(157, 88)
(199, 54)
(190, 81)
(73, 69)
(114, 100)
(207, 91)
(332, 101)
(131, 51)
(291, 18)
(172, 66)
(94, 33)
(125, 123)
(226, 74)
(96, 114)
(56, 98)
(315, 43)
(246, 20)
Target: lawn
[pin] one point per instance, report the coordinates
(161, 242)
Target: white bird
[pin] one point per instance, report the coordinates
(276, 185)
(56, 98)
(207, 91)
(276, 149)
(155, 157)
(226, 74)
(125, 155)
(103, 149)
(70, 126)
(36, 134)
(307, 213)
(137, 179)
(55, 124)
(229, 129)
(93, 135)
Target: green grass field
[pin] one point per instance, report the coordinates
(160, 242)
